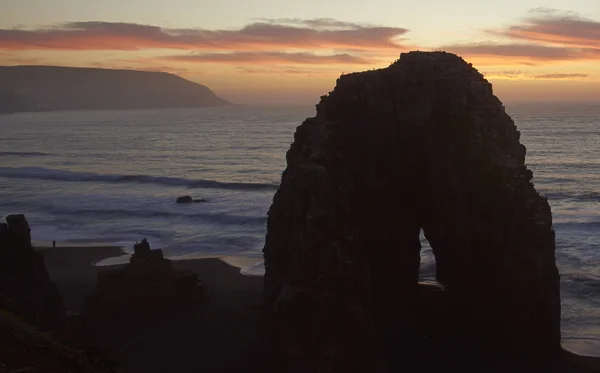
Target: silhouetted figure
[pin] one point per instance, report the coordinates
(53, 244)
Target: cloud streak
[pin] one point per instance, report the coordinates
(561, 76)
(269, 34)
(516, 74)
(288, 70)
(550, 26)
(546, 35)
(302, 58)
(525, 51)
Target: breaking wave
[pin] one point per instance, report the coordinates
(63, 175)
(23, 154)
(220, 218)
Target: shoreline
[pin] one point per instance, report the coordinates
(249, 266)
(74, 268)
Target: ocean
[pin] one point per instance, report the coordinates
(113, 177)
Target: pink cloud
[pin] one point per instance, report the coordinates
(314, 34)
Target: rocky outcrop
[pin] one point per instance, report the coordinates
(25, 286)
(421, 145)
(143, 289)
(189, 199)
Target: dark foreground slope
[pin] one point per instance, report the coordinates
(70, 88)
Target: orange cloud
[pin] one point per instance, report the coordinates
(285, 33)
(561, 76)
(508, 74)
(515, 74)
(287, 70)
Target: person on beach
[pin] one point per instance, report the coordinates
(53, 244)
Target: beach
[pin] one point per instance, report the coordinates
(218, 335)
(221, 334)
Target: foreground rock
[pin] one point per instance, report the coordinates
(26, 348)
(25, 286)
(34, 336)
(422, 144)
(143, 289)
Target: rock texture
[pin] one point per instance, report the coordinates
(422, 144)
(25, 286)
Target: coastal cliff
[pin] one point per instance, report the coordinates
(421, 145)
(25, 285)
(70, 88)
(34, 333)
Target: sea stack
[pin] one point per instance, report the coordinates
(420, 145)
(26, 289)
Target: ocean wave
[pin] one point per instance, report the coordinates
(23, 154)
(220, 218)
(581, 196)
(63, 175)
(581, 286)
(585, 225)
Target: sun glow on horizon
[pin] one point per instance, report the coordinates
(281, 59)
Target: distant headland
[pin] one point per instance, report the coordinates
(49, 88)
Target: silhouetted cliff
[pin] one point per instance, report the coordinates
(70, 88)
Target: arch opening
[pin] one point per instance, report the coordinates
(428, 264)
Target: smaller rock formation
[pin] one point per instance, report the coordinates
(25, 286)
(148, 282)
(146, 287)
(189, 199)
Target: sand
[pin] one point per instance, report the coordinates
(220, 335)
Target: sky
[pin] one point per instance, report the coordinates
(291, 52)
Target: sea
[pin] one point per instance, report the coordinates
(113, 176)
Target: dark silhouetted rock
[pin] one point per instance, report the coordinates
(138, 292)
(188, 199)
(422, 144)
(25, 286)
(184, 199)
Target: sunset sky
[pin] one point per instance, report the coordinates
(282, 52)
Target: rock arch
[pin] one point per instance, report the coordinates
(425, 144)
